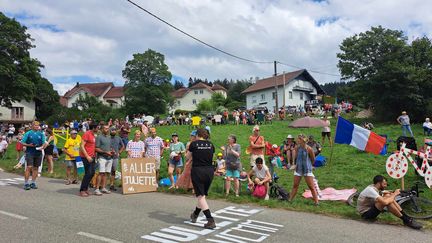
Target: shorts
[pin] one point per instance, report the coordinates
(49, 150)
(232, 173)
(254, 157)
(105, 165)
(176, 163)
(70, 163)
(33, 160)
(158, 163)
(304, 174)
(324, 134)
(372, 213)
(114, 165)
(10, 135)
(19, 147)
(202, 178)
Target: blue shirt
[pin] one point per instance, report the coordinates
(34, 137)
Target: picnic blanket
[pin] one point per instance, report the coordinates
(331, 194)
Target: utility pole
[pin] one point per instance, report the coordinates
(284, 94)
(276, 88)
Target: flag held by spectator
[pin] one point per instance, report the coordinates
(359, 137)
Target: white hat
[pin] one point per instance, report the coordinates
(274, 146)
(255, 128)
(290, 136)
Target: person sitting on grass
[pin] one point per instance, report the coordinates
(220, 165)
(373, 200)
(262, 176)
(314, 145)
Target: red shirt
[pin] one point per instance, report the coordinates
(90, 144)
(259, 141)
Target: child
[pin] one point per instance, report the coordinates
(19, 147)
(220, 162)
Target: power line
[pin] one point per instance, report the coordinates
(218, 49)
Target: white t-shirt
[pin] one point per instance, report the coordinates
(327, 127)
(3, 145)
(11, 130)
(427, 124)
(260, 174)
(220, 163)
(367, 199)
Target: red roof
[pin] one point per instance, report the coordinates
(115, 92)
(180, 92)
(218, 87)
(63, 101)
(183, 91)
(268, 83)
(96, 89)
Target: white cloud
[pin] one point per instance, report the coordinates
(98, 37)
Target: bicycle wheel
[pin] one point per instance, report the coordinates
(417, 207)
(352, 200)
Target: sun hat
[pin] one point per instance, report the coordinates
(289, 136)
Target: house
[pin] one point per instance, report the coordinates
(188, 98)
(299, 87)
(106, 92)
(20, 112)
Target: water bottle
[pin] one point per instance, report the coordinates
(79, 165)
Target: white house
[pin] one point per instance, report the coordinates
(107, 93)
(20, 112)
(188, 98)
(299, 87)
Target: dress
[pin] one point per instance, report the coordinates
(184, 181)
(303, 163)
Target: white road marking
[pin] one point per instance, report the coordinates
(97, 237)
(13, 215)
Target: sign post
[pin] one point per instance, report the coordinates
(138, 175)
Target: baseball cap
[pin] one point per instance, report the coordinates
(219, 154)
(208, 129)
(193, 133)
(113, 129)
(174, 135)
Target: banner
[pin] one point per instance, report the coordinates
(138, 175)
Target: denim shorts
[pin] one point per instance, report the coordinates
(176, 163)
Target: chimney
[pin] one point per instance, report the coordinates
(77, 84)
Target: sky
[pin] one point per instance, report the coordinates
(91, 40)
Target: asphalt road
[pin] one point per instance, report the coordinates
(55, 213)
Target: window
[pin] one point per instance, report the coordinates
(178, 102)
(194, 101)
(301, 96)
(262, 96)
(201, 91)
(196, 91)
(274, 95)
(17, 113)
(290, 94)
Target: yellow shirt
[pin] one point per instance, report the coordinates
(196, 121)
(72, 146)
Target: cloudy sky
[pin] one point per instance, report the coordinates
(91, 40)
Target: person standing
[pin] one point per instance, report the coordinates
(304, 157)
(136, 148)
(326, 131)
(71, 149)
(88, 154)
(124, 133)
(404, 121)
(154, 148)
(118, 147)
(231, 153)
(105, 154)
(145, 128)
(49, 150)
(256, 146)
(202, 152)
(19, 147)
(177, 149)
(34, 141)
(11, 132)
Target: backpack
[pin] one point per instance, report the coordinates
(320, 161)
(259, 191)
(279, 192)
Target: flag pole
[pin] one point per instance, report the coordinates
(333, 142)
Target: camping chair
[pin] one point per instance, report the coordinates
(260, 118)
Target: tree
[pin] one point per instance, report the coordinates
(147, 88)
(18, 71)
(331, 88)
(178, 85)
(236, 89)
(387, 72)
(47, 99)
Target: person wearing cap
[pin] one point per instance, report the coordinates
(145, 128)
(118, 147)
(404, 121)
(34, 141)
(256, 146)
(154, 148)
(71, 150)
(220, 165)
(177, 149)
(105, 153)
(136, 148)
(289, 151)
(184, 181)
(314, 145)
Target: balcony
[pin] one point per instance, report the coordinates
(301, 88)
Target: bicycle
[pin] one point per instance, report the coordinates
(410, 201)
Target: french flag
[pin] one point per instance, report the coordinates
(359, 137)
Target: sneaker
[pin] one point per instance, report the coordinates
(193, 217)
(75, 182)
(104, 190)
(97, 192)
(112, 188)
(33, 186)
(413, 224)
(210, 224)
(266, 197)
(27, 187)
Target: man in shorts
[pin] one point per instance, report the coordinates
(71, 150)
(34, 141)
(262, 176)
(373, 200)
(256, 146)
(326, 131)
(154, 148)
(105, 154)
(118, 147)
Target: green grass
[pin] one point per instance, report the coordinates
(349, 167)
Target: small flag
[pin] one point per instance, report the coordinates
(359, 137)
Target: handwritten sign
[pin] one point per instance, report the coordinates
(138, 175)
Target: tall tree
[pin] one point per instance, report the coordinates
(178, 85)
(148, 86)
